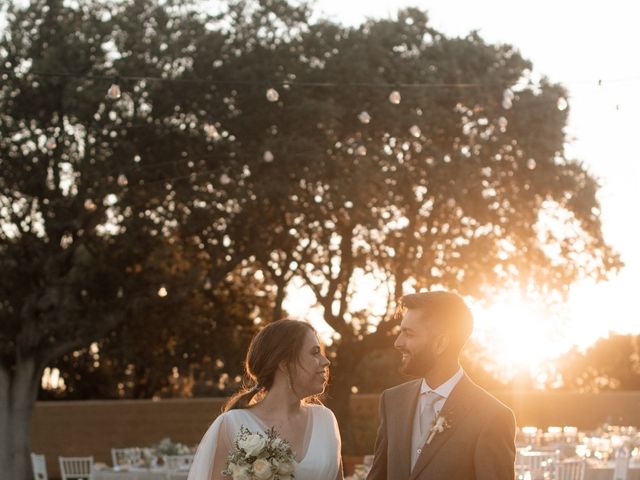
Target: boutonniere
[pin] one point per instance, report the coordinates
(440, 424)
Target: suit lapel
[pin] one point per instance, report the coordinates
(455, 409)
(404, 411)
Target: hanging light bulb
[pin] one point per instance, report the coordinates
(114, 92)
(89, 205)
(211, 131)
(395, 97)
(562, 104)
(415, 131)
(507, 98)
(273, 95)
(267, 156)
(364, 117)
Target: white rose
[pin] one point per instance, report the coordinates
(285, 468)
(262, 469)
(240, 472)
(277, 443)
(253, 444)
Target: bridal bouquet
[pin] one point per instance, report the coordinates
(258, 456)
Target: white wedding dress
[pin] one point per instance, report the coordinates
(320, 461)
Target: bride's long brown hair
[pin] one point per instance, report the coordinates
(277, 343)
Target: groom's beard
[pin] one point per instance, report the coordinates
(417, 364)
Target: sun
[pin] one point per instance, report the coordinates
(519, 335)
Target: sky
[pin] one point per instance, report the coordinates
(577, 44)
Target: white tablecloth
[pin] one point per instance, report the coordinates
(139, 474)
(606, 473)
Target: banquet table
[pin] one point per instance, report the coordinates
(139, 474)
(606, 473)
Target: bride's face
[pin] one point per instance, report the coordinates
(312, 372)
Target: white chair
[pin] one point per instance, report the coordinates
(178, 462)
(126, 457)
(621, 466)
(536, 464)
(39, 467)
(76, 468)
(571, 470)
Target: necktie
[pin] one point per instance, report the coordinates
(428, 412)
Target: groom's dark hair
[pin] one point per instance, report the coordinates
(448, 310)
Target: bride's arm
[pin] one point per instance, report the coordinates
(336, 430)
(340, 474)
(222, 450)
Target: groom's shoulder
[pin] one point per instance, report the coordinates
(402, 389)
(488, 400)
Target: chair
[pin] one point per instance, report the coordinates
(126, 457)
(39, 467)
(178, 462)
(621, 466)
(536, 464)
(571, 470)
(76, 468)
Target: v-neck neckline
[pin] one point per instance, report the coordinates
(308, 430)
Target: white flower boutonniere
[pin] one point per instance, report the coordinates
(440, 424)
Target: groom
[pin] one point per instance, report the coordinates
(441, 426)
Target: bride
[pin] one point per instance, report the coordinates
(288, 369)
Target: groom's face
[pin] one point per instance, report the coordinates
(416, 343)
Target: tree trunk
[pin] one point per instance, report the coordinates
(340, 394)
(339, 402)
(18, 392)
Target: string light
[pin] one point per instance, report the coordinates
(507, 99)
(211, 131)
(395, 97)
(273, 95)
(415, 131)
(267, 156)
(364, 117)
(562, 104)
(395, 85)
(114, 92)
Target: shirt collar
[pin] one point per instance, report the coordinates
(446, 388)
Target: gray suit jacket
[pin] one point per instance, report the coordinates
(478, 445)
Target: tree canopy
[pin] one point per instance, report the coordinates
(250, 148)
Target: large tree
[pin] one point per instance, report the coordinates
(431, 162)
(96, 190)
(611, 363)
(259, 143)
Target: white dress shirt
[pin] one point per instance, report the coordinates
(443, 390)
(418, 439)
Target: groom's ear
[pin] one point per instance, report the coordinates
(442, 343)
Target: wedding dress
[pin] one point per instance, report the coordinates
(320, 461)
